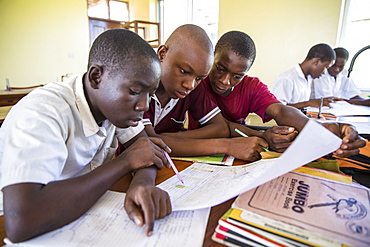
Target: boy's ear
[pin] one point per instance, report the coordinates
(162, 52)
(316, 61)
(94, 75)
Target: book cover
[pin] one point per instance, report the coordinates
(235, 238)
(216, 159)
(325, 174)
(319, 206)
(222, 239)
(264, 239)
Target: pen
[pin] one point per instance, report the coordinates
(173, 166)
(244, 135)
(321, 101)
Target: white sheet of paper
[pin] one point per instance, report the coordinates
(343, 108)
(107, 224)
(208, 185)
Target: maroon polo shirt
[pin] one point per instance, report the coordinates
(249, 96)
(197, 103)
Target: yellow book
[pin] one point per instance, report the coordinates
(309, 208)
(325, 174)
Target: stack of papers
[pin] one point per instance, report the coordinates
(343, 108)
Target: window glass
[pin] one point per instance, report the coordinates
(354, 36)
(108, 9)
(118, 10)
(97, 9)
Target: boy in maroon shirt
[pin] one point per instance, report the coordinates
(237, 95)
(186, 59)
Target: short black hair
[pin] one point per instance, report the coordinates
(115, 49)
(341, 52)
(238, 42)
(322, 51)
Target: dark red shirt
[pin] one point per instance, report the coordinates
(249, 96)
(171, 118)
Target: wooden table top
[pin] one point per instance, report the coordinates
(123, 184)
(16, 91)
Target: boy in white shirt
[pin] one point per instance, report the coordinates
(293, 87)
(57, 143)
(335, 83)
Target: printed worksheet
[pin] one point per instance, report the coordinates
(343, 108)
(207, 185)
(107, 224)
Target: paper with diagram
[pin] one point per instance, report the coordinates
(207, 185)
(107, 224)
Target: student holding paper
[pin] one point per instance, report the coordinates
(57, 143)
(238, 94)
(186, 59)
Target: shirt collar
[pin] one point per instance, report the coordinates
(159, 112)
(300, 72)
(90, 127)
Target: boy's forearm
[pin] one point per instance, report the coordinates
(29, 209)
(146, 176)
(195, 147)
(244, 129)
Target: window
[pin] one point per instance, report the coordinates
(355, 35)
(203, 13)
(106, 14)
(108, 9)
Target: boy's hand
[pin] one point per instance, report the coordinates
(145, 152)
(246, 148)
(145, 203)
(351, 141)
(280, 137)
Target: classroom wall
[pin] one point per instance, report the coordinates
(41, 40)
(283, 30)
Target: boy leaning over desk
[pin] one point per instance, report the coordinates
(186, 58)
(56, 144)
(238, 94)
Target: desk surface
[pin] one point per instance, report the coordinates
(9, 98)
(123, 184)
(16, 91)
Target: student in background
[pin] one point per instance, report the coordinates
(293, 87)
(335, 83)
(186, 59)
(57, 143)
(238, 94)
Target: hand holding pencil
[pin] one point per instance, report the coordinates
(244, 135)
(247, 149)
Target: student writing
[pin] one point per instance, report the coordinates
(238, 94)
(56, 144)
(293, 87)
(186, 59)
(335, 82)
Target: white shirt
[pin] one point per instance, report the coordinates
(341, 87)
(291, 86)
(51, 135)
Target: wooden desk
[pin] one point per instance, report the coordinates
(10, 98)
(123, 184)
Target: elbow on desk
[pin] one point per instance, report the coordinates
(19, 229)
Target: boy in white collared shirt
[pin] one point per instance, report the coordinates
(57, 143)
(335, 83)
(293, 87)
